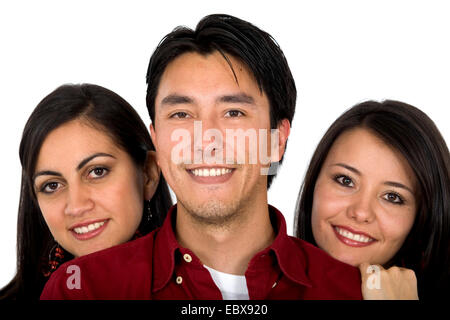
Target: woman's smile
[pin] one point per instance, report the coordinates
(352, 238)
(88, 230)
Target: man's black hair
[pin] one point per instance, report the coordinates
(242, 40)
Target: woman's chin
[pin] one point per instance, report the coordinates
(348, 259)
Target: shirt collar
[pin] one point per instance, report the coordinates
(290, 257)
(164, 252)
(291, 260)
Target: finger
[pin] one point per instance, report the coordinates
(368, 268)
(363, 267)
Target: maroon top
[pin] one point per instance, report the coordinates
(157, 267)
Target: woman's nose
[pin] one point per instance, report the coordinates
(362, 209)
(78, 201)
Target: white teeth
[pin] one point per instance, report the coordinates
(91, 227)
(210, 172)
(351, 236)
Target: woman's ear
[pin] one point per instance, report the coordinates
(151, 175)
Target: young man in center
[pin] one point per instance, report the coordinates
(214, 94)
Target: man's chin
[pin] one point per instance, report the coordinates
(213, 212)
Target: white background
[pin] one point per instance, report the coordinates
(340, 53)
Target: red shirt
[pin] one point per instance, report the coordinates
(157, 267)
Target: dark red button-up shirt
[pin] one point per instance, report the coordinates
(157, 267)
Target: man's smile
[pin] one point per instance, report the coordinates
(211, 175)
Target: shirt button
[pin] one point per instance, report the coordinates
(274, 285)
(187, 257)
(179, 280)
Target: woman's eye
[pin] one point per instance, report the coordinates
(394, 198)
(344, 180)
(50, 187)
(180, 115)
(98, 172)
(234, 113)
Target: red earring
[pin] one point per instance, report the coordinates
(55, 258)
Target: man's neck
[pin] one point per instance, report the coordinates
(227, 248)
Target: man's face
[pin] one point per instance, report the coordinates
(202, 91)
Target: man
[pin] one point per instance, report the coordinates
(222, 240)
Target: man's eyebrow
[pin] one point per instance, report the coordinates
(237, 98)
(174, 99)
(346, 166)
(95, 155)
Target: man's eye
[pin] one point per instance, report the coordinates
(344, 180)
(234, 113)
(98, 172)
(180, 115)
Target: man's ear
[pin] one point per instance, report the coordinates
(284, 129)
(151, 175)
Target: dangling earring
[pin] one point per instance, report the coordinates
(146, 217)
(148, 211)
(55, 258)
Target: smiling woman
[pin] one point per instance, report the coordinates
(358, 205)
(90, 192)
(89, 182)
(377, 191)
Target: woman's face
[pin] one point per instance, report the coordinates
(89, 190)
(364, 200)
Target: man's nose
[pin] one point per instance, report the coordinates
(208, 140)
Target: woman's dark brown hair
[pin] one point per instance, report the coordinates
(104, 110)
(410, 131)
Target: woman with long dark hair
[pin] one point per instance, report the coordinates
(377, 192)
(89, 181)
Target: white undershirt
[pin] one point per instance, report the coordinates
(231, 286)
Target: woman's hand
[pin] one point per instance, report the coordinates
(392, 284)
